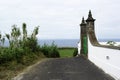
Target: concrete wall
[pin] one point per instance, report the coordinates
(104, 56)
(106, 59)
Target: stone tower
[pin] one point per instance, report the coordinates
(84, 44)
(91, 29)
(87, 31)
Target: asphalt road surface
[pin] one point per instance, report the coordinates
(77, 68)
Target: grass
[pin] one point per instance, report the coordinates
(66, 52)
(11, 69)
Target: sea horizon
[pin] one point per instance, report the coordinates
(68, 42)
(64, 42)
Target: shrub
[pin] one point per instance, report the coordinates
(20, 45)
(8, 54)
(111, 43)
(50, 50)
(75, 52)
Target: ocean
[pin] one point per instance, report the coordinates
(69, 42)
(64, 42)
(60, 42)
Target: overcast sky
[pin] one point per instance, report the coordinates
(61, 18)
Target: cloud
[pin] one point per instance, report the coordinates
(61, 19)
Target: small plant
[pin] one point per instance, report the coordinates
(111, 43)
(75, 52)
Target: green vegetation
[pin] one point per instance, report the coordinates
(50, 50)
(23, 50)
(75, 52)
(11, 69)
(111, 43)
(66, 52)
(20, 45)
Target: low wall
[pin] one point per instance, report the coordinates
(106, 58)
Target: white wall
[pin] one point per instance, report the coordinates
(106, 59)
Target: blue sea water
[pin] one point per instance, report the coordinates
(65, 42)
(60, 42)
(105, 40)
(69, 42)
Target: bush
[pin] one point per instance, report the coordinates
(50, 51)
(75, 52)
(8, 54)
(31, 44)
(111, 43)
(20, 45)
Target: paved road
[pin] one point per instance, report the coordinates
(76, 68)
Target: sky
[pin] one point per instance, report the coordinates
(60, 19)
